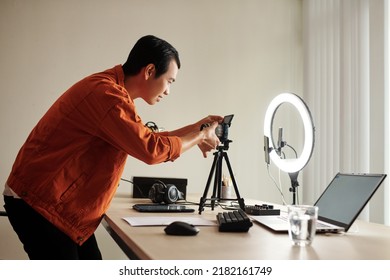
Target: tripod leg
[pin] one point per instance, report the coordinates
(240, 200)
(217, 181)
(206, 190)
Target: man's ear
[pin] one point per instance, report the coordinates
(149, 71)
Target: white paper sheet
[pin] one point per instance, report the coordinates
(164, 221)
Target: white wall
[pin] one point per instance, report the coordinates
(236, 56)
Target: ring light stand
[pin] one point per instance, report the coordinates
(290, 166)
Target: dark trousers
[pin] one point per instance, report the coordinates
(41, 239)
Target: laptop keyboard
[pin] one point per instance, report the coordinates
(318, 223)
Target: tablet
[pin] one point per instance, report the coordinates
(162, 208)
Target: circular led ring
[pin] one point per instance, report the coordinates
(290, 165)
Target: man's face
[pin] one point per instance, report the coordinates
(157, 88)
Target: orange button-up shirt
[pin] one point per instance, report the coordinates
(71, 163)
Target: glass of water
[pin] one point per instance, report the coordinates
(302, 223)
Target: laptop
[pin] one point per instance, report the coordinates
(156, 207)
(338, 206)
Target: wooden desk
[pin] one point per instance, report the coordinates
(365, 241)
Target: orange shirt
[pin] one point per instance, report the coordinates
(71, 163)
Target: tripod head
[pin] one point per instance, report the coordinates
(225, 145)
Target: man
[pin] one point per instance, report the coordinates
(67, 171)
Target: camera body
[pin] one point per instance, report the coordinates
(222, 130)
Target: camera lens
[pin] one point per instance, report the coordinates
(219, 131)
(222, 131)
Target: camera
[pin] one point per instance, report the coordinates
(222, 130)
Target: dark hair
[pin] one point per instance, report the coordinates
(150, 50)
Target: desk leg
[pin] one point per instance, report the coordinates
(129, 253)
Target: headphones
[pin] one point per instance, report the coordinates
(152, 126)
(164, 193)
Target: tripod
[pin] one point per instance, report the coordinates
(219, 155)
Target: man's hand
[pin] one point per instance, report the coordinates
(209, 120)
(210, 139)
(192, 135)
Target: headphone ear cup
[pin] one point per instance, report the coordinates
(172, 194)
(152, 194)
(157, 192)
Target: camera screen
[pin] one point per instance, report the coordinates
(228, 119)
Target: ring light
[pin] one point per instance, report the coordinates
(290, 165)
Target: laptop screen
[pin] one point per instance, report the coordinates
(346, 196)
